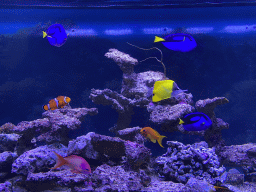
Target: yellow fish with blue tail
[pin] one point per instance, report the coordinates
(152, 134)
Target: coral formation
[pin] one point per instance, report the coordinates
(123, 163)
(182, 162)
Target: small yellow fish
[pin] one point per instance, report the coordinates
(152, 134)
(163, 90)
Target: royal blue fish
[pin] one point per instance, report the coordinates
(196, 122)
(178, 42)
(56, 35)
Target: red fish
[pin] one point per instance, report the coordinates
(76, 163)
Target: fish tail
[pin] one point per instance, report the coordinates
(159, 140)
(175, 93)
(44, 34)
(60, 161)
(158, 39)
(150, 91)
(181, 122)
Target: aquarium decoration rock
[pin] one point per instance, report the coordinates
(8, 142)
(123, 163)
(57, 180)
(131, 134)
(182, 162)
(110, 150)
(234, 177)
(52, 128)
(123, 105)
(37, 160)
(236, 155)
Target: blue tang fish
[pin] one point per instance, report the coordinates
(196, 122)
(178, 42)
(56, 35)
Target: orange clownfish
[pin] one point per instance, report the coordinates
(57, 103)
(152, 134)
(76, 163)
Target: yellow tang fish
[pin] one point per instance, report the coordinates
(57, 103)
(152, 134)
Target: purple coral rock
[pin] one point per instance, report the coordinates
(116, 179)
(123, 60)
(208, 105)
(7, 128)
(6, 159)
(110, 150)
(199, 185)
(238, 155)
(8, 142)
(136, 154)
(131, 134)
(164, 186)
(63, 120)
(167, 114)
(32, 127)
(6, 187)
(204, 163)
(138, 85)
(108, 97)
(82, 146)
(50, 180)
(38, 159)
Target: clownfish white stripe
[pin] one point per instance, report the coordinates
(57, 102)
(65, 99)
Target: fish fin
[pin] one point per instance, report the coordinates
(44, 34)
(177, 92)
(151, 138)
(158, 39)
(159, 140)
(181, 122)
(150, 91)
(60, 161)
(45, 107)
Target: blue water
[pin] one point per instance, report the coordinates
(32, 71)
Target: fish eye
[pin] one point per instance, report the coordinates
(144, 130)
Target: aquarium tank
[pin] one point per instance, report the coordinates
(127, 96)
